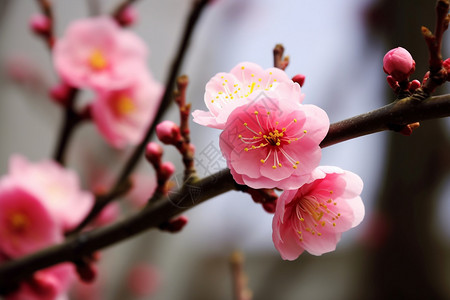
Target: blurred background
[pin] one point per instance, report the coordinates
(402, 248)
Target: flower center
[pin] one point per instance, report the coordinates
(314, 212)
(123, 105)
(274, 139)
(97, 60)
(19, 222)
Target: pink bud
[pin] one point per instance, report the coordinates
(86, 271)
(128, 16)
(270, 206)
(153, 153)
(60, 93)
(299, 78)
(166, 170)
(414, 85)
(399, 63)
(40, 24)
(168, 132)
(45, 285)
(174, 225)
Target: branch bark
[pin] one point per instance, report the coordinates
(405, 111)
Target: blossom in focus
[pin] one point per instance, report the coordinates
(57, 188)
(122, 116)
(25, 224)
(46, 284)
(399, 63)
(97, 53)
(227, 91)
(313, 217)
(273, 141)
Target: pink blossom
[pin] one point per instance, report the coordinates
(25, 224)
(57, 188)
(97, 53)
(227, 91)
(274, 140)
(144, 187)
(168, 132)
(313, 217)
(47, 284)
(122, 116)
(399, 63)
(143, 280)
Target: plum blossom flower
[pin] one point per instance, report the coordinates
(58, 189)
(25, 224)
(399, 63)
(97, 53)
(227, 91)
(122, 116)
(313, 217)
(273, 141)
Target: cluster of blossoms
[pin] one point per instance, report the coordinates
(38, 204)
(99, 55)
(271, 139)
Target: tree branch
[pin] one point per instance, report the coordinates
(165, 103)
(405, 111)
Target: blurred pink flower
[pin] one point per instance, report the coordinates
(47, 284)
(144, 187)
(57, 188)
(273, 141)
(313, 217)
(122, 116)
(97, 53)
(143, 280)
(399, 63)
(227, 91)
(25, 224)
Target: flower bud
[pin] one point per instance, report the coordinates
(166, 170)
(174, 225)
(40, 24)
(414, 85)
(168, 132)
(60, 93)
(153, 153)
(399, 63)
(128, 16)
(299, 78)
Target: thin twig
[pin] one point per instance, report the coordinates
(47, 10)
(405, 111)
(240, 280)
(185, 148)
(438, 74)
(165, 103)
(71, 120)
(280, 61)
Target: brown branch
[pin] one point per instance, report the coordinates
(185, 148)
(438, 74)
(240, 289)
(129, 166)
(71, 120)
(405, 111)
